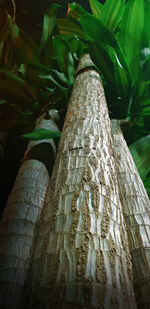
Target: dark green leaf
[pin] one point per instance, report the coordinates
(106, 54)
(140, 151)
(41, 134)
(25, 49)
(95, 30)
(101, 59)
(64, 58)
(76, 11)
(49, 29)
(68, 27)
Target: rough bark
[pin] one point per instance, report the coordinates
(81, 257)
(20, 216)
(136, 209)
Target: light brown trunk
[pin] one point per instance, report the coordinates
(19, 219)
(81, 257)
(136, 209)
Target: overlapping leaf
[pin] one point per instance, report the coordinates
(105, 46)
(130, 35)
(112, 13)
(49, 29)
(97, 8)
(68, 27)
(64, 58)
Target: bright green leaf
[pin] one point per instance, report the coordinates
(112, 13)
(97, 8)
(130, 35)
(40, 134)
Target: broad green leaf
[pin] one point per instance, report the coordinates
(49, 29)
(130, 35)
(107, 54)
(68, 27)
(40, 134)
(101, 59)
(112, 13)
(64, 58)
(140, 151)
(97, 8)
(95, 30)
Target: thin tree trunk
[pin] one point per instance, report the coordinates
(21, 214)
(136, 209)
(81, 257)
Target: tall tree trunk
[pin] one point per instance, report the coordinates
(81, 257)
(21, 214)
(136, 209)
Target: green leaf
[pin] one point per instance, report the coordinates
(140, 151)
(130, 35)
(68, 27)
(101, 59)
(64, 58)
(146, 182)
(76, 46)
(40, 134)
(49, 29)
(107, 55)
(97, 8)
(112, 13)
(25, 49)
(76, 11)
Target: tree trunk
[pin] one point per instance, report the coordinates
(21, 214)
(136, 209)
(81, 257)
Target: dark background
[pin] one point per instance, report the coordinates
(29, 13)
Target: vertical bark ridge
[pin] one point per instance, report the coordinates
(136, 208)
(18, 222)
(81, 257)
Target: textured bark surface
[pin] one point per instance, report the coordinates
(81, 257)
(136, 209)
(18, 222)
